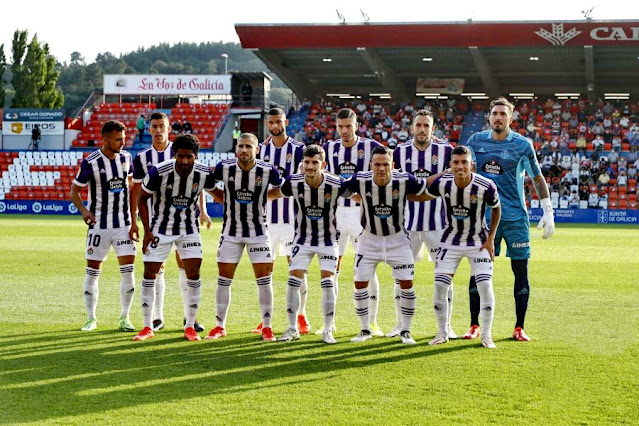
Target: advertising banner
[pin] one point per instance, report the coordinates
(589, 216)
(154, 84)
(21, 121)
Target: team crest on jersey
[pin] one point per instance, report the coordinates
(89, 250)
(505, 155)
(473, 198)
(289, 158)
(195, 187)
(258, 181)
(360, 154)
(434, 160)
(327, 197)
(395, 194)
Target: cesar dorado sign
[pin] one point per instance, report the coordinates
(21, 121)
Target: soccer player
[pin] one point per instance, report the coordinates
(345, 157)
(315, 193)
(466, 196)
(246, 182)
(425, 221)
(107, 172)
(503, 155)
(174, 187)
(285, 153)
(384, 192)
(160, 150)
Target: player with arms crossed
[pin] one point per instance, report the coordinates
(174, 187)
(345, 157)
(384, 192)
(466, 196)
(107, 172)
(503, 156)
(246, 182)
(316, 193)
(285, 153)
(422, 157)
(160, 150)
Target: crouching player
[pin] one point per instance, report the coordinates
(315, 193)
(175, 186)
(466, 196)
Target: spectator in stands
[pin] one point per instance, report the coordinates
(598, 142)
(604, 179)
(593, 200)
(622, 179)
(140, 125)
(186, 127)
(247, 93)
(35, 137)
(616, 143)
(236, 135)
(176, 127)
(581, 143)
(573, 200)
(632, 171)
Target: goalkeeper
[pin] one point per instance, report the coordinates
(503, 156)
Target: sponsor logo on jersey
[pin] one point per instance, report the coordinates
(189, 245)
(460, 212)
(328, 257)
(314, 212)
(383, 211)
(473, 198)
(520, 245)
(421, 173)
(244, 196)
(492, 168)
(116, 185)
(180, 202)
(406, 266)
(482, 261)
(123, 243)
(259, 249)
(347, 169)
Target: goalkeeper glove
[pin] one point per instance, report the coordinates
(547, 221)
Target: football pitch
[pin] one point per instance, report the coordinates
(580, 368)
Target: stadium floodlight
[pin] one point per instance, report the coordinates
(385, 97)
(427, 59)
(479, 97)
(534, 58)
(617, 94)
(379, 94)
(519, 95)
(473, 94)
(226, 61)
(327, 60)
(427, 94)
(567, 94)
(337, 94)
(446, 97)
(347, 97)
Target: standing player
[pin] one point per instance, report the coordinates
(174, 186)
(246, 182)
(107, 172)
(466, 196)
(425, 221)
(316, 193)
(503, 155)
(384, 192)
(345, 157)
(285, 153)
(160, 150)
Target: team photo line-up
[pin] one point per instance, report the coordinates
(281, 197)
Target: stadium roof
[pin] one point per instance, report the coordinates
(589, 58)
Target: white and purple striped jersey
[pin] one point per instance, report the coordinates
(465, 208)
(148, 158)
(315, 223)
(383, 207)
(286, 160)
(174, 203)
(108, 188)
(345, 162)
(426, 215)
(245, 195)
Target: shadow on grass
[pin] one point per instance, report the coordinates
(70, 373)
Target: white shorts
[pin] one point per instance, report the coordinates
(284, 234)
(393, 250)
(349, 226)
(230, 249)
(430, 239)
(302, 255)
(99, 241)
(188, 247)
(448, 258)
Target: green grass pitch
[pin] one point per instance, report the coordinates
(580, 368)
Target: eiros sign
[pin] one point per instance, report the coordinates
(155, 84)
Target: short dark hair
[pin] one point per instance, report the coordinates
(113, 126)
(159, 116)
(381, 149)
(461, 150)
(425, 113)
(187, 141)
(313, 150)
(503, 102)
(250, 136)
(276, 111)
(346, 113)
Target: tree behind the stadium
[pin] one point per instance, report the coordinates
(3, 68)
(34, 73)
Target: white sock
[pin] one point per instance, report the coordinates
(222, 300)
(451, 293)
(293, 297)
(148, 299)
(303, 295)
(397, 299)
(194, 293)
(183, 288)
(160, 286)
(440, 303)
(373, 301)
(360, 297)
(127, 289)
(265, 297)
(407, 302)
(486, 302)
(91, 292)
(328, 301)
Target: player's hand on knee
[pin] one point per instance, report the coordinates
(489, 246)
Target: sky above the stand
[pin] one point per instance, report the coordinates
(119, 26)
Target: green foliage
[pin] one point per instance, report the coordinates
(3, 68)
(580, 368)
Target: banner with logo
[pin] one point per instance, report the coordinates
(21, 121)
(589, 216)
(153, 84)
(444, 86)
